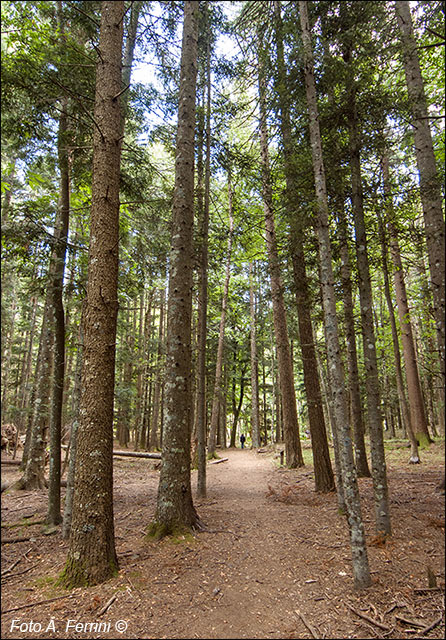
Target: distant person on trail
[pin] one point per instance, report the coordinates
(242, 440)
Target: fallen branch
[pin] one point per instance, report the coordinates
(14, 564)
(12, 540)
(315, 633)
(414, 623)
(12, 462)
(219, 460)
(19, 573)
(34, 604)
(107, 605)
(431, 626)
(381, 625)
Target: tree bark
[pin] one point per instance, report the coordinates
(54, 516)
(201, 413)
(175, 509)
(361, 569)
(92, 555)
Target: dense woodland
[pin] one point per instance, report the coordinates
(219, 218)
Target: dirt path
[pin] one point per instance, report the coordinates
(274, 561)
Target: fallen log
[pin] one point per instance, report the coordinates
(132, 454)
(219, 460)
(11, 462)
(137, 454)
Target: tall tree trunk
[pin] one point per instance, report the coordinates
(361, 569)
(293, 451)
(237, 406)
(217, 396)
(124, 407)
(175, 509)
(139, 373)
(255, 417)
(430, 184)
(329, 399)
(418, 422)
(54, 516)
(68, 506)
(154, 427)
(24, 391)
(362, 466)
(143, 435)
(92, 555)
(374, 415)
(129, 49)
(414, 456)
(34, 452)
(201, 417)
(323, 472)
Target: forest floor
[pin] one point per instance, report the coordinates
(273, 563)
